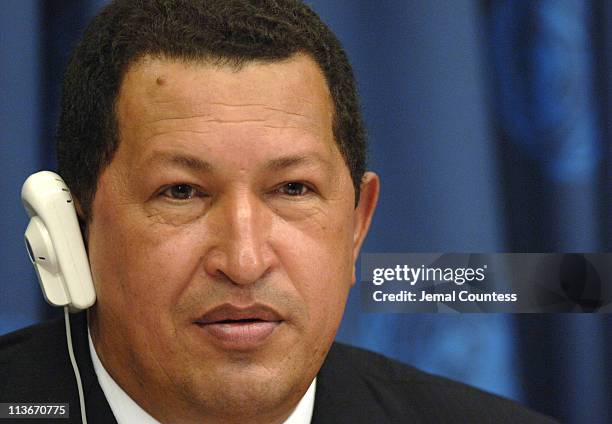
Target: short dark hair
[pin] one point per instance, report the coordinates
(225, 32)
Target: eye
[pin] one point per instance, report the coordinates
(180, 192)
(294, 189)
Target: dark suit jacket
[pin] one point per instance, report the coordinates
(353, 386)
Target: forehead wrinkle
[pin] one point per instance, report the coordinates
(148, 138)
(161, 125)
(205, 108)
(213, 120)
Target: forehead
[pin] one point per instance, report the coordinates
(161, 92)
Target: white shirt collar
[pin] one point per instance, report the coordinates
(127, 411)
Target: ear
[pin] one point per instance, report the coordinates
(79, 209)
(82, 220)
(370, 188)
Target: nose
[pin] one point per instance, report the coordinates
(241, 253)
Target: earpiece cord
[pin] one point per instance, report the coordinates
(77, 375)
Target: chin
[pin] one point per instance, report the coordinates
(240, 394)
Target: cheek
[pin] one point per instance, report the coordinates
(318, 261)
(136, 265)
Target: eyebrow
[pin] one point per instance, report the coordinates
(183, 161)
(285, 162)
(274, 165)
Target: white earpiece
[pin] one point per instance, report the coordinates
(55, 244)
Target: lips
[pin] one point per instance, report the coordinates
(239, 328)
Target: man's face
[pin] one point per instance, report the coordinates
(223, 238)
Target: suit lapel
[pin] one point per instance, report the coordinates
(344, 395)
(98, 409)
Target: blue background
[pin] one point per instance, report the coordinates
(489, 124)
